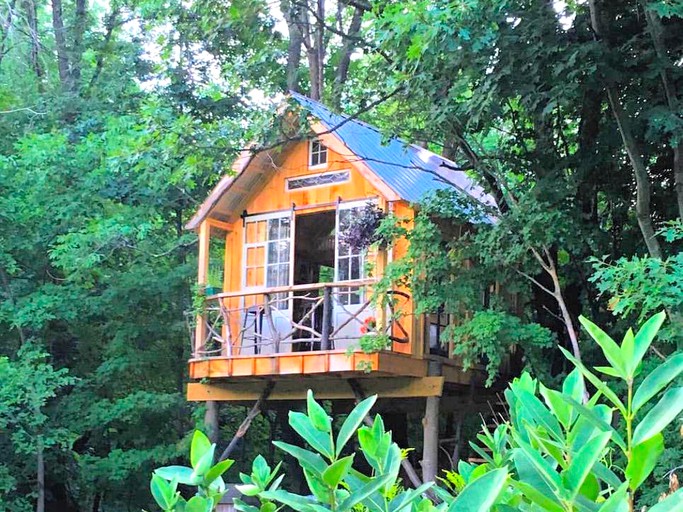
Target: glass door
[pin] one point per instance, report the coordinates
(267, 264)
(349, 265)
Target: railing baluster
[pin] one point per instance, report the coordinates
(327, 319)
(271, 324)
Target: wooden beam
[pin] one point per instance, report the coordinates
(253, 412)
(219, 224)
(202, 274)
(324, 389)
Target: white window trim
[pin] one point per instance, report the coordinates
(246, 245)
(310, 155)
(339, 171)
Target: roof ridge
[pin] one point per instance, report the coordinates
(346, 117)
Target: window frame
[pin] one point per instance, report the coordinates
(265, 244)
(346, 179)
(323, 150)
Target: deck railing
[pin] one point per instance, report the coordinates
(308, 317)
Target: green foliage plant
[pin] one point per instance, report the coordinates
(562, 445)
(28, 384)
(337, 486)
(203, 474)
(637, 286)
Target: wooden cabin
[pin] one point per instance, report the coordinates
(295, 301)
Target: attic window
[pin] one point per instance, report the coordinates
(317, 153)
(317, 180)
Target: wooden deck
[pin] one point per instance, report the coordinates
(323, 362)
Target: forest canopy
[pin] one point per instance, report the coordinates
(117, 118)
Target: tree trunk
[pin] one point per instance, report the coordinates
(60, 43)
(320, 48)
(405, 463)
(5, 25)
(32, 22)
(77, 46)
(348, 46)
(656, 32)
(643, 188)
(40, 476)
(430, 447)
(212, 421)
(634, 152)
(291, 14)
(246, 423)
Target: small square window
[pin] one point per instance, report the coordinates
(317, 153)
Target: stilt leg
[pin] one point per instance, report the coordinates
(430, 450)
(211, 421)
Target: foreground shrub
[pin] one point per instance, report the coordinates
(557, 452)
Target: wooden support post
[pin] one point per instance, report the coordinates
(405, 463)
(253, 412)
(430, 447)
(211, 421)
(327, 319)
(455, 457)
(202, 274)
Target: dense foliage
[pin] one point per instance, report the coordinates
(116, 118)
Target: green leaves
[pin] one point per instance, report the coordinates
(199, 447)
(203, 475)
(611, 350)
(582, 462)
(181, 474)
(659, 417)
(625, 359)
(673, 503)
(331, 479)
(319, 440)
(163, 492)
(353, 421)
(319, 418)
(481, 494)
(644, 456)
(337, 471)
(645, 336)
(658, 380)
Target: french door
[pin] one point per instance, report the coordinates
(349, 265)
(268, 255)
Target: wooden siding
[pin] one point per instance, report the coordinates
(273, 196)
(413, 324)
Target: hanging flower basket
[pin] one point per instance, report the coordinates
(359, 231)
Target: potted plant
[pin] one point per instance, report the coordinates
(359, 231)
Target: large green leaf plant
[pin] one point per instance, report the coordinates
(335, 484)
(562, 446)
(204, 475)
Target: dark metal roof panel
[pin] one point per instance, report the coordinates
(410, 171)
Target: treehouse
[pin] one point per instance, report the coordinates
(290, 304)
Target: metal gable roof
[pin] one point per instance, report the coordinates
(410, 171)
